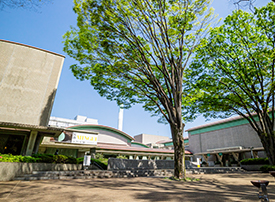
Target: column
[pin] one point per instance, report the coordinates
(31, 143)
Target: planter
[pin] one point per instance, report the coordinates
(9, 170)
(251, 167)
(234, 165)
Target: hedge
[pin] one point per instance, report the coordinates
(256, 161)
(267, 168)
(38, 158)
(102, 162)
(49, 158)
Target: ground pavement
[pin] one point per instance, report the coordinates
(210, 187)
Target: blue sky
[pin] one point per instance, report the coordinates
(44, 29)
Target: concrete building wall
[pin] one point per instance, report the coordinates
(28, 81)
(64, 123)
(109, 137)
(241, 135)
(146, 138)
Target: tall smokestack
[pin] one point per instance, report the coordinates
(120, 117)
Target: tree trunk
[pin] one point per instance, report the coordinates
(268, 142)
(179, 151)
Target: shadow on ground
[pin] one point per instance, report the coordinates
(216, 187)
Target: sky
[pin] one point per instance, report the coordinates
(44, 29)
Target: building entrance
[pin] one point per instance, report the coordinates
(11, 144)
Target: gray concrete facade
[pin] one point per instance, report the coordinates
(28, 81)
(242, 135)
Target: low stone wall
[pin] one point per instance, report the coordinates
(88, 174)
(9, 170)
(252, 167)
(131, 164)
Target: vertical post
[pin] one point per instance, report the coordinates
(255, 154)
(31, 143)
(205, 158)
(92, 152)
(220, 158)
(120, 117)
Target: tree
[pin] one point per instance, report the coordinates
(233, 72)
(245, 3)
(26, 4)
(135, 51)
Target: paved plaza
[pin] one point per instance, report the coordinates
(210, 187)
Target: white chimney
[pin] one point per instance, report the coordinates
(120, 117)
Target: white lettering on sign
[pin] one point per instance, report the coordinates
(84, 138)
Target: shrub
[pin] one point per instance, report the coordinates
(80, 160)
(267, 168)
(256, 161)
(103, 163)
(99, 156)
(17, 158)
(60, 158)
(71, 160)
(29, 159)
(121, 157)
(44, 158)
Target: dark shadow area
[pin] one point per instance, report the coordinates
(220, 187)
(46, 112)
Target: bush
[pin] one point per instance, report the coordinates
(29, 159)
(71, 160)
(256, 161)
(121, 157)
(99, 156)
(267, 168)
(80, 160)
(60, 158)
(103, 163)
(49, 158)
(44, 158)
(17, 158)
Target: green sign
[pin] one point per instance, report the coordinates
(220, 154)
(208, 154)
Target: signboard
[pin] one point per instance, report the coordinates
(84, 138)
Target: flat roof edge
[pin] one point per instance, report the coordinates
(21, 44)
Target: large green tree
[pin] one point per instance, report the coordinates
(233, 72)
(135, 51)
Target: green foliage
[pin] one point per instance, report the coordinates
(17, 158)
(135, 51)
(44, 158)
(29, 159)
(39, 158)
(233, 72)
(80, 160)
(60, 158)
(267, 168)
(103, 162)
(256, 161)
(121, 157)
(99, 156)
